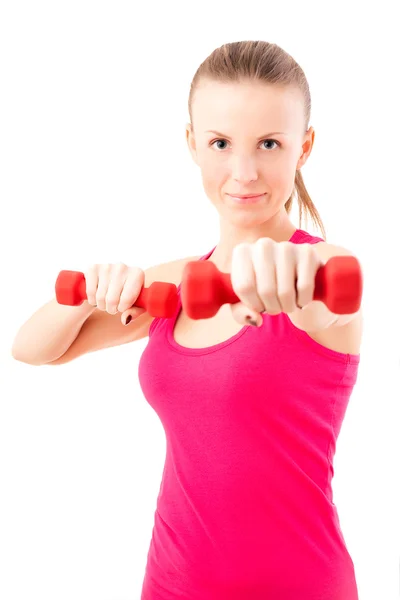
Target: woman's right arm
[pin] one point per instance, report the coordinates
(56, 334)
(49, 332)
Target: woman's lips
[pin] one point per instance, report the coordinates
(247, 199)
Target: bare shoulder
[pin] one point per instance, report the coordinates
(343, 338)
(102, 330)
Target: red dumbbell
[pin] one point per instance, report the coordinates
(205, 289)
(160, 299)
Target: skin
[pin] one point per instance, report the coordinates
(244, 163)
(253, 245)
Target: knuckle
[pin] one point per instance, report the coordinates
(101, 293)
(309, 253)
(135, 271)
(240, 249)
(304, 295)
(100, 297)
(244, 287)
(123, 305)
(242, 246)
(104, 269)
(134, 277)
(112, 297)
(284, 253)
(119, 267)
(263, 250)
(286, 295)
(100, 304)
(285, 246)
(267, 292)
(304, 289)
(111, 306)
(265, 242)
(128, 297)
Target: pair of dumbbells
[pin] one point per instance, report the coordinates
(204, 289)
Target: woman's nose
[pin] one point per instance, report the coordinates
(244, 169)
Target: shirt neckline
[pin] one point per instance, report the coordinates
(215, 347)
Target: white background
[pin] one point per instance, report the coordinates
(95, 168)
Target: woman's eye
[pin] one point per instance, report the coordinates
(224, 141)
(273, 141)
(219, 142)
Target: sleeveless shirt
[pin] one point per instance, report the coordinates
(245, 508)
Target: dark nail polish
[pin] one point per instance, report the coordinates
(128, 319)
(251, 321)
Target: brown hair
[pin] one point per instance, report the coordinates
(267, 63)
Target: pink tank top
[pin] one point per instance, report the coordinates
(245, 508)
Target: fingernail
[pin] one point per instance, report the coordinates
(251, 321)
(128, 319)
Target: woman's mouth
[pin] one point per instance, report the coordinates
(247, 199)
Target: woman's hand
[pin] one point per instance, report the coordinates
(272, 277)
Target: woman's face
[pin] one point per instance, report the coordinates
(260, 143)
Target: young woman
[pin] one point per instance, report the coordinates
(252, 414)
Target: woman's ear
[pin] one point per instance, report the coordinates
(307, 146)
(191, 142)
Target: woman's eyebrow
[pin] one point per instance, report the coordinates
(261, 137)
